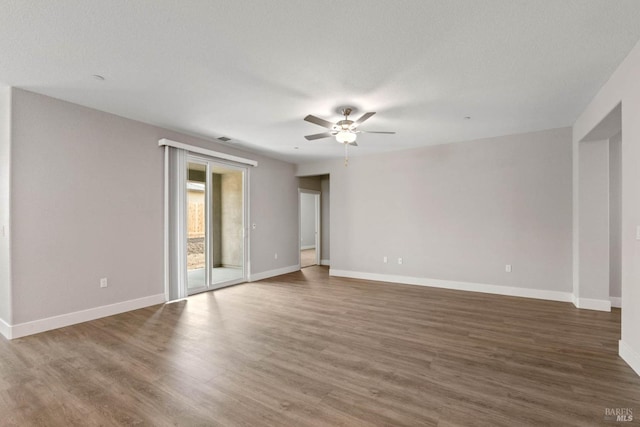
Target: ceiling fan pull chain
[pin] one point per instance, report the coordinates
(346, 155)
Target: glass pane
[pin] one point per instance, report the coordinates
(196, 225)
(227, 198)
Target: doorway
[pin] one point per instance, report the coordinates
(598, 265)
(309, 227)
(215, 217)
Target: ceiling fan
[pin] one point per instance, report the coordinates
(345, 130)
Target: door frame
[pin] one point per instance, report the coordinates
(207, 222)
(317, 209)
(210, 162)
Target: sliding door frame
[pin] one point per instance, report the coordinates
(190, 159)
(175, 168)
(244, 170)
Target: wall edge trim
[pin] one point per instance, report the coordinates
(272, 273)
(5, 329)
(73, 318)
(459, 286)
(593, 304)
(629, 355)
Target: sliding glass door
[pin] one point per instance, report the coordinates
(197, 225)
(215, 224)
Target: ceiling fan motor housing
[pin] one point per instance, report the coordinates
(344, 124)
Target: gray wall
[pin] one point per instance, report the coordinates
(622, 88)
(325, 219)
(458, 212)
(274, 210)
(5, 149)
(309, 183)
(87, 189)
(615, 216)
(307, 220)
(594, 220)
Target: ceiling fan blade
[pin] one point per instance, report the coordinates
(319, 136)
(355, 144)
(318, 121)
(373, 131)
(364, 117)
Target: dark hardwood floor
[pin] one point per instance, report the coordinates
(305, 349)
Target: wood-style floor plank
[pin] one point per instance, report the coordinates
(306, 349)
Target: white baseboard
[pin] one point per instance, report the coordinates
(459, 286)
(272, 273)
(592, 304)
(325, 262)
(5, 329)
(616, 302)
(629, 355)
(55, 322)
(304, 248)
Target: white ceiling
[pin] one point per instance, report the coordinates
(252, 70)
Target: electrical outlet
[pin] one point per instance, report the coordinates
(384, 259)
(103, 282)
(507, 268)
(253, 226)
(399, 260)
(275, 256)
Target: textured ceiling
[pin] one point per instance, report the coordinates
(252, 70)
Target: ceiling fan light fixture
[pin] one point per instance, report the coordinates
(345, 136)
